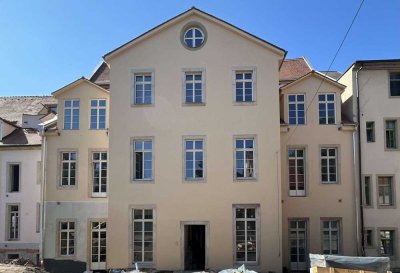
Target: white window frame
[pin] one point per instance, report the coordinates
(72, 120)
(391, 186)
(390, 80)
(244, 69)
(143, 221)
(101, 161)
(194, 37)
(97, 115)
(393, 240)
(257, 224)
(194, 151)
(193, 71)
(69, 162)
(142, 72)
(99, 229)
(296, 158)
(296, 265)
(395, 133)
(133, 157)
(244, 150)
(370, 128)
(325, 102)
(331, 229)
(13, 222)
(327, 158)
(296, 103)
(68, 232)
(9, 178)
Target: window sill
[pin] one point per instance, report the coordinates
(194, 181)
(69, 257)
(71, 129)
(61, 187)
(386, 207)
(329, 183)
(98, 129)
(143, 264)
(245, 103)
(392, 149)
(13, 240)
(142, 105)
(98, 196)
(237, 179)
(193, 104)
(142, 181)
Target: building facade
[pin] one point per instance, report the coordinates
(76, 179)
(372, 99)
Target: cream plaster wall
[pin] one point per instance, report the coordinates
(321, 200)
(219, 120)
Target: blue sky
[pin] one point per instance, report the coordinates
(46, 44)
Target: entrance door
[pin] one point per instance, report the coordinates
(98, 246)
(298, 244)
(195, 247)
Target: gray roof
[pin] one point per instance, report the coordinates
(12, 108)
(333, 74)
(22, 136)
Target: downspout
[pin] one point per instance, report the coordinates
(43, 191)
(360, 165)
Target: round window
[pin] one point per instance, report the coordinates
(193, 37)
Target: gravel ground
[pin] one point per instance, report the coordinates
(10, 268)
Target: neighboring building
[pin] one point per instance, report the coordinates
(76, 179)
(20, 169)
(317, 180)
(372, 100)
(194, 148)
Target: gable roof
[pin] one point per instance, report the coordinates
(22, 136)
(292, 69)
(315, 74)
(101, 76)
(75, 83)
(12, 108)
(183, 15)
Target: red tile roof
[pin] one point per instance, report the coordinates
(293, 69)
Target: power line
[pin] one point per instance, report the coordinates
(329, 68)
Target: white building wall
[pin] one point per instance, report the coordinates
(28, 198)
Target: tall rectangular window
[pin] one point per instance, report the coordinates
(331, 237)
(367, 191)
(244, 91)
(71, 114)
(298, 244)
(296, 172)
(13, 222)
(99, 245)
(194, 159)
(143, 88)
(14, 173)
(246, 234)
(368, 237)
(296, 106)
(370, 130)
(326, 106)
(68, 168)
(67, 238)
(395, 84)
(329, 163)
(385, 191)
(386, 245)
(98, 114)
(194, 87)
(99, 165)
(391, 134)
(245, 158)
(143, 159)
(143, 235)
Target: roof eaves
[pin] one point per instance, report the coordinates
(74, 83)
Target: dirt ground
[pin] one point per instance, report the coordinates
(11, 268)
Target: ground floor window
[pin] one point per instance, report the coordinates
(331, 236)
(246, 233)
(99, 237)
(298, 244)
(67, 238)
(143, 235)
(386, 246)
(13, 222)
(12, 256)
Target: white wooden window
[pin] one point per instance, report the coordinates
(387, 243)
(385, 191)
(194, 159)
(391, 134)
(99, 245)
(143, 84)
(246, 234)
(296, 109)
(71, 114)
(194, 87)
(244, 91)
(329, 165)
(98, 114)
(99, 166)
(143, 235)
(331, 237)
(13, 222)
(68, 168)
(193, 37)
(298, 244)
(245, 158)
(296, 169)
(143, 159)
(67, 238)
(326, 106)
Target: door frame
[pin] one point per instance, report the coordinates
(89, 242)
(307, 243)
(206, 225)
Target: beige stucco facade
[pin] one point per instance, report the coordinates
(320, 201)
(74, 203)
(219, 120)
(376, 105)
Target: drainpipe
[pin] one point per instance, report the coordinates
(42, 197)
(360, 165)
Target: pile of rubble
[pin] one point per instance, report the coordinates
(20, 266)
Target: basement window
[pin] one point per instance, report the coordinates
(13, 177)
